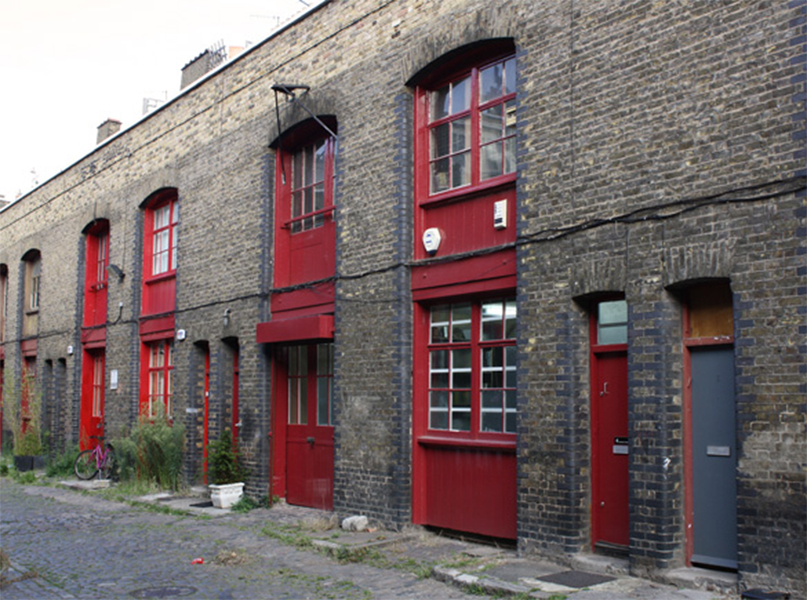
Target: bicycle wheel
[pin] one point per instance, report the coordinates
(107, 470)
(86, 466)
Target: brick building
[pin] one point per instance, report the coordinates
(534, 271)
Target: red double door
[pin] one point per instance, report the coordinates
(303, 433)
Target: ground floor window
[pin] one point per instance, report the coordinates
(472, 366)
(160, 356)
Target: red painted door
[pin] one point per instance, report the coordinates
(609, 425)
(206, 421)
(92, 397)
(308, 375)
(610, 498)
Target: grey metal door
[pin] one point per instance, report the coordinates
(714, 457)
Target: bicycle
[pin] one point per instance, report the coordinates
(100, 459)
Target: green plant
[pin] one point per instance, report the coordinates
(22, 413)
(62, 464)
(152, 452)
(223, 464)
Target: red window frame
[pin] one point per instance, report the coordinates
(471, 369)
(162, 220)
(158, 370)
(96, 276)
(98, 371)
(3, 302)
(312, 183)
(480, 108)
(160, 245)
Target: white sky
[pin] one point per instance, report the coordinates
(68, 65)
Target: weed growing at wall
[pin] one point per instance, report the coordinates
(152, 452)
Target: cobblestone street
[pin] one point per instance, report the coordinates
(65, 543)
(86, 547)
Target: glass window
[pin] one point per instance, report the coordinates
(160, 377)
(472, 128)
(164, 239)
(324, 383)
(472, 367)
(310, 190)
(612, 322)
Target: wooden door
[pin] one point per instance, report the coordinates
(610, 450)
(303, 402)
(610, 507)
(92, 397)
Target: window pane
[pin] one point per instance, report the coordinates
(319, 169)
(510, 319)
(461, 95)
(492, 399)
(492, 357)
(303, 401)
(439, 379)
(510, 399)
(612, 322)
(308, 205)
(492, 379)
(319, 196)
(438, 420)
(510, 422)
(308, 166)
(439, 359)
(440, 175)
(461, 400)
(510, 155)
(439, 334)
(492, 421)
(323, 401)
(438, 399)
(440, 140)
(297, 171)
(441, 314)
(491, 124)
(460, 134)
(490, 82)
(461, 169)
(510, 118)
(296, 204)
(439, 101)
(461, 359)
(492, 330)
(461, 421)
(461, 379)
(510, 76)
(491, 160)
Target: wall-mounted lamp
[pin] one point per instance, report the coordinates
(117, 271)
(226, 317)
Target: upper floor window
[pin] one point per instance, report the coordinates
(3, 301)
(164, 237)
(160, 244)
(305, 234)
(470, 127)
(95, 293)
(312, 185)
(34, 276)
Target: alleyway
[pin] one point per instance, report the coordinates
(67, 544)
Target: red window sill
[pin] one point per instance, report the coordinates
(458, 442)
(469, 190)
(161, 277)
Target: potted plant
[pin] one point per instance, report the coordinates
(22, 412)
(225, 472)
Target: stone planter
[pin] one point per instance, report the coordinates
(28, 463)
(226, 494)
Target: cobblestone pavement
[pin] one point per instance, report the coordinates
(86, 547)
(67, 544)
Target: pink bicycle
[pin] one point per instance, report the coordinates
(100, 459)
